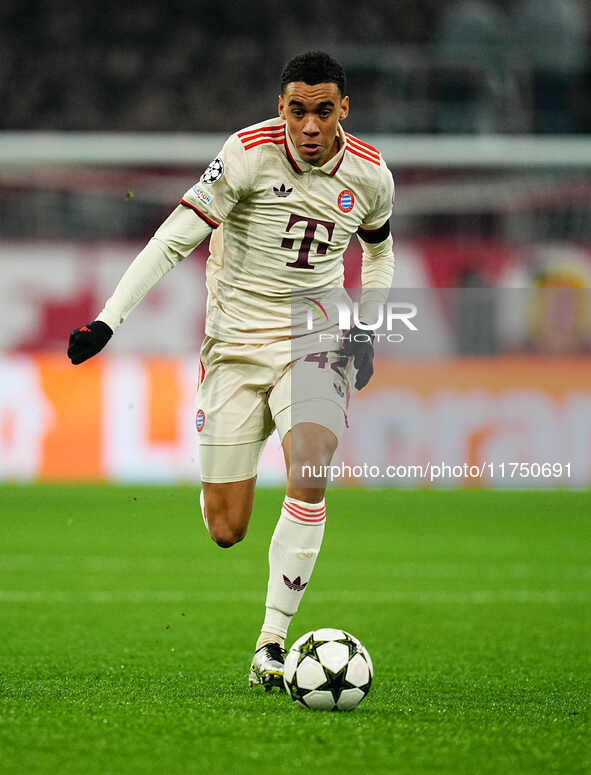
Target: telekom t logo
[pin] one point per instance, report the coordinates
(306, 243)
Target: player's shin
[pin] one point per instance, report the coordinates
(292, 555)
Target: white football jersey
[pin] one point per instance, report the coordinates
(281, 225)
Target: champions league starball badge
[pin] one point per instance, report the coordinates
(214, 172)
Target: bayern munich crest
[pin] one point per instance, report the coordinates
(200, 420)
(214, 172)
(346, 201)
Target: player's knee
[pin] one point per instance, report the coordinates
(226, 536)
(227, 510)
(225, 531)
(309, 463)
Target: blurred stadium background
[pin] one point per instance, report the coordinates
(483, 112)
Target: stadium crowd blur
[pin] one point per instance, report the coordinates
(425, 66)
(431, 67)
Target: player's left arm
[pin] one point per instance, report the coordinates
(377, 270)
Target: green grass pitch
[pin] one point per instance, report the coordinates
(126, 634)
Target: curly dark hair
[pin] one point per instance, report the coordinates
(313, 67)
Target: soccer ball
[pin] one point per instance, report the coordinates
(328, 669)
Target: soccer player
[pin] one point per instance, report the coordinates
(280, 203)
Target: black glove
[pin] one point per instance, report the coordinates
(359, 343)
(87, 341)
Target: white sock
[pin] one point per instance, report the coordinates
(268, 637)
(292, 554)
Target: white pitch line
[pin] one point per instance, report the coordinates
(25, 563)
(21, 563)
(427, 597)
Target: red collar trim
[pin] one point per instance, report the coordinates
(338, 164)
(296, 166)
(289, 154)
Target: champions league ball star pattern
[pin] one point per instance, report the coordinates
(328, 669)
(214, 172)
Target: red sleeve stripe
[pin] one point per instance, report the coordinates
(361, 149)
(363, 156)
(365, 146)
(262, 142)
(261, 136)
(248, 133)
(204, 217)
(270, 135)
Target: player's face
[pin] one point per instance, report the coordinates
(312, 114)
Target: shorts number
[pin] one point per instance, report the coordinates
(322, 359)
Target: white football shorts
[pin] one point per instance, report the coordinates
(248, 390)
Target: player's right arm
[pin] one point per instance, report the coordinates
(178, 236)
(203, 207)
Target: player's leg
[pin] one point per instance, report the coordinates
(226, 508)
(310, 429)
(233, 423)
(308, 404)
(228, 475)
(295, 543)
(308, 447)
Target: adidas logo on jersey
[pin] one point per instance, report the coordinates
(296, 584)
(282, 191)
